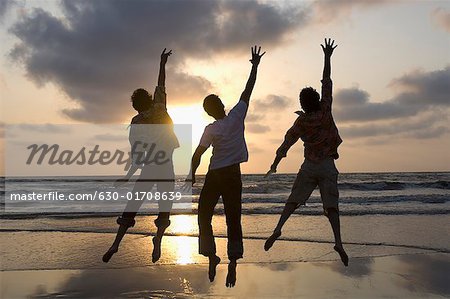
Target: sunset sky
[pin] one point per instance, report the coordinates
(66, 62)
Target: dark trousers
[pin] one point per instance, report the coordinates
(164, 206)
(225, 182)
(164, 179)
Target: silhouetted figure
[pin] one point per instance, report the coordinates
(226, 135)
(316, 127)
(151, 112)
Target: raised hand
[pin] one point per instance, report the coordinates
(256, 56)
(328, 49)
(165, 55)
(273, 169)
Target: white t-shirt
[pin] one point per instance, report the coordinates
(227, 138)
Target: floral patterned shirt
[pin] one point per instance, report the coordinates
(317, 130)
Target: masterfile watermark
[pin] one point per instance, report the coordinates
(53, 154)
(97, 168)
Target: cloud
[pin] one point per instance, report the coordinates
(424, 88)
(276, 140)
(44, 128)
(253, 117)
(441, 17)
(420, 109)
(353, 104)
(5, 5)
(102, 50)
(2, 130)
(273, 102)
(257, 129)
(185, 87)
(254, 149)
(423, 127)
(327, 11)
(420, 91)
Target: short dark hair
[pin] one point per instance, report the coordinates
(141, 100)
(213, 104)
(309, 99)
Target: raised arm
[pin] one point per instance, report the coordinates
(327, 51)
(162, 67)
(327, 84)
(256, 58)
(159, 97)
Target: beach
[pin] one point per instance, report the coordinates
(390, 256)
(405, 276)
(394, 228)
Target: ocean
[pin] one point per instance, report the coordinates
(424, 193)
(382, 214)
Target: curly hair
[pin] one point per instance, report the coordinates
(309, 99)
(141, 100)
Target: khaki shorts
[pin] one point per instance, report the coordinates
(323, 174)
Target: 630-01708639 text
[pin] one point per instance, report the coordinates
(97, 195)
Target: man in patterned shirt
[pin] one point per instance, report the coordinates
(316, 127)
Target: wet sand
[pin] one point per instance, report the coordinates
(413, 261)
(403, 276)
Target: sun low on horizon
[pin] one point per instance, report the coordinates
(390, 100)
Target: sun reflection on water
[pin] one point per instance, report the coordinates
(184, 247)
(183, 224)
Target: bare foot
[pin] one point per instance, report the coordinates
(231, 276)
(271, 240)
(108, 255)
(156, 254)
(213, 262)
(342, 254)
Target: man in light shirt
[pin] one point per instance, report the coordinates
(226, 135)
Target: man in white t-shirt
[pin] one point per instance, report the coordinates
(226, 135)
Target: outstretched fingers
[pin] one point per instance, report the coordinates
(256, 51)
(329, 45)
(164, 53)
(332, 45)
(256, 55)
